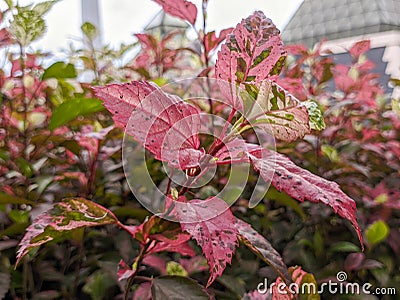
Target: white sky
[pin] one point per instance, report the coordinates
(122, 18)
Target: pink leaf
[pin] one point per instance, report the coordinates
(182, 9)
(252, 53)
(304, 185)
(70, 214)
(216, 235)
(166, 125)
(299, 277)
(360, 48)
(124, 271)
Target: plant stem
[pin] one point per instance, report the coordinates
(137, 264)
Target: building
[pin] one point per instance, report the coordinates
(343, 22)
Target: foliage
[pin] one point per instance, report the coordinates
(62, 177)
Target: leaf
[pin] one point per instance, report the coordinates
(316, 118)
(177, 288)
(306, 283)
(260, 246)
(182, 9)
(212, 40)
(377, 232)
(43, 7)
(89, 30)
(303, 185)
(71, 109)
(284, 115)
(8, 199)
(143, 292)
(252, 52)
(360, 48)
(27, 26)
(166, 125)
(71, 213)
(60, 70)
(174, 268)
(216, 235)
(344, 247)
(396, 106)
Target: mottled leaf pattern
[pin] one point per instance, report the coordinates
(252, 52)
(182, 9)
(166, 125)
(70, 214)
(285, 117)
(304, 185)
(216, 235)
(259, 245)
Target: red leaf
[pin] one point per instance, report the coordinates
(166, 125)
(212, 40)
(303, 185)
(216, 235)
(182, 9)
(143, 292)
(360, 48)
(122, 99)
(176, 243)
(252, 53)
(70, 214)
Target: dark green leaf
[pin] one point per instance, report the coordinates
(260, 246)
(177, 288)
(71, 109)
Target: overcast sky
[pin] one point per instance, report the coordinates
(122, 18)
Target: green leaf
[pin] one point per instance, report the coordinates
(8, 199)
(27, 27)
(174, 268)
(316, 118)
(25, 167)
(177, 288)
(344, 247)
(71, 109)
(377, 232)
(89, 30)
(396, 106)
(44, 7)
(97, 285)
(70, 214)
(19, 216)
(330, 153)
(60, 70)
